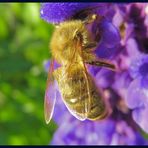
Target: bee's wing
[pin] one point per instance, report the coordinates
(82, 95)
(81, 84)
(80, 117)
(50, 94)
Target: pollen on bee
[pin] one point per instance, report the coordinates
(94, 16)
(73, 100)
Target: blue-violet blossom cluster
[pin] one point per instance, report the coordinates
(124, 41)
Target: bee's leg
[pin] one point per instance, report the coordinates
(102, 63)
(89, 46)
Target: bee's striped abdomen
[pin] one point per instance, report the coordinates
(73, 87)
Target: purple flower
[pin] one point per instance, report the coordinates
(139, 66)
(79, 133)
(110, 38)
(125, 135)
(59, 12)
(137, 16)
(105, 78)
(107, 132)
(137, 95)
(134, 41)
(125, 89)
(123, 80)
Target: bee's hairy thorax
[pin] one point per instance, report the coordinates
(66, 38)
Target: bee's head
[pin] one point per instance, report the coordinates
(72, 32)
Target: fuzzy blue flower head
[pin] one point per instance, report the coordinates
(59, 12)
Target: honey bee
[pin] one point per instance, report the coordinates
(72, 47)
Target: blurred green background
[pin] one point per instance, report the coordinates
(24, 40)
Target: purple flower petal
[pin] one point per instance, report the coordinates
(132, 47)
(110, 38)
(135, 96)
(125, 135)
(140, 117)
(105, 78)
(137, 99)
(121, 83)
(110, 34)
(144, 82)
(119, 15)
(139, 66)
(104, 52)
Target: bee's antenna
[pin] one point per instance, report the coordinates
(90, 19)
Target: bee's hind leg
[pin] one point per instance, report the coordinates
(102, 63)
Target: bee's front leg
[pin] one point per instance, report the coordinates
(89, 46)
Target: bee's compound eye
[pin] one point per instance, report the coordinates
(82, 15)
